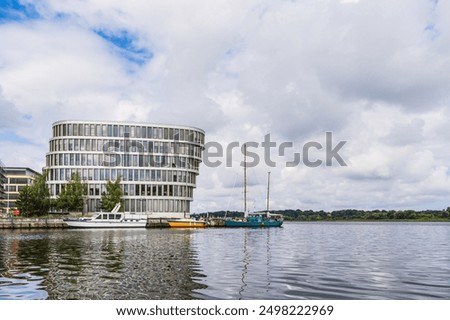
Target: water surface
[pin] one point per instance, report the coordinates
(299, 261)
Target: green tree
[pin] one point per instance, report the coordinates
(391, 214)
(25, 200)
(35, 199)
(112, 196)
(40, 195)
(71, 198)
(400, 215)
(410, 214)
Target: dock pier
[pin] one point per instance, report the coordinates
(30, 223)
(53, 223)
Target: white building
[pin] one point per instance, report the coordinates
(158, 164)
(17, 178)
(3, 181)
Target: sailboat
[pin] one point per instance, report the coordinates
(271, 219)
(254, 220)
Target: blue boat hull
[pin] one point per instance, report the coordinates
(268, 223)
(253, 222)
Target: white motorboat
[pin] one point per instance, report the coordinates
(113, 219)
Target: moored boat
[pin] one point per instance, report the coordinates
(113, 219)
(254, 220)
(186, 223)
(273, 220)
(248, 221)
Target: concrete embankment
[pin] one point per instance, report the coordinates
(30, 223)
(24, 223)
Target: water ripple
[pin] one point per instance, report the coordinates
(298, 261)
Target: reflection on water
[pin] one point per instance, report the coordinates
(298, 261)
(327, 261)
(238, 263)
(98, 264)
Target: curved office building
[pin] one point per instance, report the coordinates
(158, 164)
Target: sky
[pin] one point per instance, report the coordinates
(374, 73)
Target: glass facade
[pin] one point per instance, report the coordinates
(2, 188)
(157, 164)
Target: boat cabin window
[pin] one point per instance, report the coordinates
(108, 216)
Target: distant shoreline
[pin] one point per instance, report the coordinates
(384, 220)
(348, 215)
(351, 215)
(43, 223)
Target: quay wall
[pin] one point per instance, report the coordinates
(59, 223)
(30, 223)
(34, 223)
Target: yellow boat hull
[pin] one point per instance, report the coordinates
(187, 224)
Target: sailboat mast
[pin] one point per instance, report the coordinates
(245, 180)
(268, 193)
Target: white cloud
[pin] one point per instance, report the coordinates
(373, 72)
(11, 117)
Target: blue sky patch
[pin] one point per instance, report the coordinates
(123, 42)
(14, 10)
(125, 45)
(13, 137)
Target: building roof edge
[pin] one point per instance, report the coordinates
(150, 124)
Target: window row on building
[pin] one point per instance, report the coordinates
(121, 160)
(27, 180)
(151, 206)
(151, 190)
(101, 174)
(117, 130)
(138, 146)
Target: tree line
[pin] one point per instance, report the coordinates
(34, 199)
(350, 215)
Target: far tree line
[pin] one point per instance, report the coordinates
(34, 200)
(350, 215)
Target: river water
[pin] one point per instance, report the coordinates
(299, 261)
